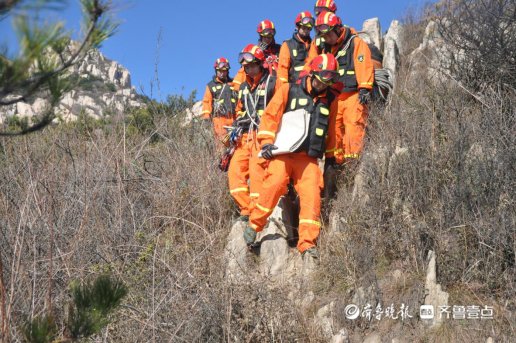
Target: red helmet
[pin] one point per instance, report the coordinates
(305, 19)
(325, 5)
(251, 53)
(327, 21)
(221, 63)
(325, 68)
(266, 28)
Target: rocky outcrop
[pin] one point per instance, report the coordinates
(371, 32)
(102, 87)
(435, 296)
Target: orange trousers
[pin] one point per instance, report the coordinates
(354, 116)
(218, 127)
(308, 182)
(245, 173)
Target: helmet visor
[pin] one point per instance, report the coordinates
(245, 57)
(307, 21)
(222, 66)
(328, 77)
(268, 33)
(323, 29)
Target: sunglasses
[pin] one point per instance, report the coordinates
(307, 21)
(245, 57)
(327, 77)
(222, 66)
(268, 33)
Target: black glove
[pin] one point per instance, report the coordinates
(267, 151)
(364, 96)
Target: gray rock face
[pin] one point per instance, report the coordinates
(324, 320)
(371, 32)
(391, 55)
(103, 86)
(433, 56)
(395, 33)
(341, 337)
(274, 250)
(235, 253)
(373, 338)
(435, 296)
(193, 113)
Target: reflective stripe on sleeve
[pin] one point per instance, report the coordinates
(238, 190)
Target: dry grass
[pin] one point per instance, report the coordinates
(146, 202)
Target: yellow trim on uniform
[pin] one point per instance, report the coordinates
(238, 190)
(299, 68)
(366, 83)
(205, 112)
(283, 79)
(254, 195)
(325, 111)
(266, 133)
(264, 209)
(309, 221)
(351, 155)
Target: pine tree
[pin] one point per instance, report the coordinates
(46, 52)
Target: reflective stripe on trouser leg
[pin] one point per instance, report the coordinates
(354, 116)
(274, 185)
(308, 181)
(238, 174)
(256, 172)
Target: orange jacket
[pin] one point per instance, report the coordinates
(253, 83)
(271, 118)
(284, 61)
(364, 68)
(239, 79)
(207, 101)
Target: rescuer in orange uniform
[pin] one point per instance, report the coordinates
(313, 94)
(294, 52)
(266, 41)
(356, 73)
(219, 101)
(246, 171)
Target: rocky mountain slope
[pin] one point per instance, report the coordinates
(103, 87)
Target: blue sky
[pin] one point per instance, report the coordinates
(195, 33)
